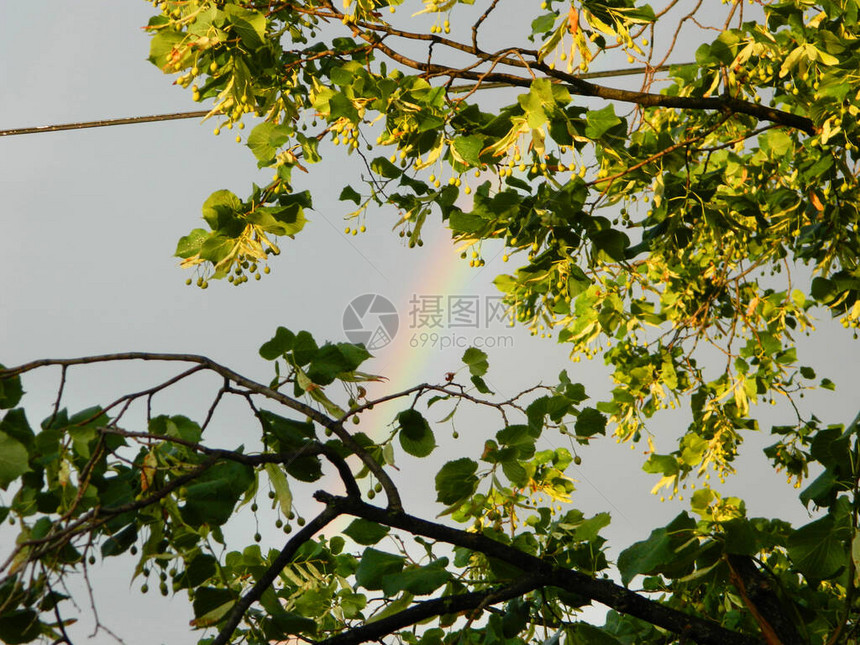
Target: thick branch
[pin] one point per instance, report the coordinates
(605, 592)
(761, 598)
(98, 515)
(581, 87)
(310, 449)
(268, 577)
(430, 608)
(258, 388)
(575, 84)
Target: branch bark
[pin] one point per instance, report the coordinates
(760, 597)
(264, 581)
(334, 425)
(368, 31)
(430, 608)
(605, 592)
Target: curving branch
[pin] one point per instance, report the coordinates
(431, 608)
(759, 594)
(334, 425)
(580, 87)
(96, 517)
(369, 31)
(603, 591)
(310, 449)
(264, 581)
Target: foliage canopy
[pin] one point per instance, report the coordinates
(653, 226)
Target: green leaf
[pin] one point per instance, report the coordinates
(313, 602)
(121, 542)
(585, 634)
(211, 497)
(855, 556)
(831, 447)
(189, 245)
(776, 142)
(544, 23)
(341, 107)
(600, 121)
(289, 623)
(418, 581)
(589, 423)
(375, 566)
(161, 47)
(13, 460)
(210, 605)
(290, 434)
(456, 480)
(539, 100)
(365, 532)
(381, 166)
(19, 626)
(15, 424)
(306, 468)
(480, 385)
(352, 604)
(219, 209)
(249, 25)
(334, 361)
(395, 607)
(588, 530)
(468, 148)
(515, 472)
(208, 502)
(198, 571)
(476, 359)
(819, 549)
(266, 138)
(655, 553)
(176, 426)
(349, 193)
(821, 490)
(41, 528)
(740, 537)
(661, 464)
(416, 437)
(520, 436)
(216, 248)
(461, 222)
(285, 219)
(304, 348)
(613, 243)
(10, 391)
(280, 344)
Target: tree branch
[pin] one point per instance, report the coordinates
(430, 608)
(760, 597)
(310, 449)
(605, 592)
(335, 426)
(98, 515)
(264, 581)
(576, 85)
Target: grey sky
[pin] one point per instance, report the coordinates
(89, 221)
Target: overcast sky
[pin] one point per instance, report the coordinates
(89, 222)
